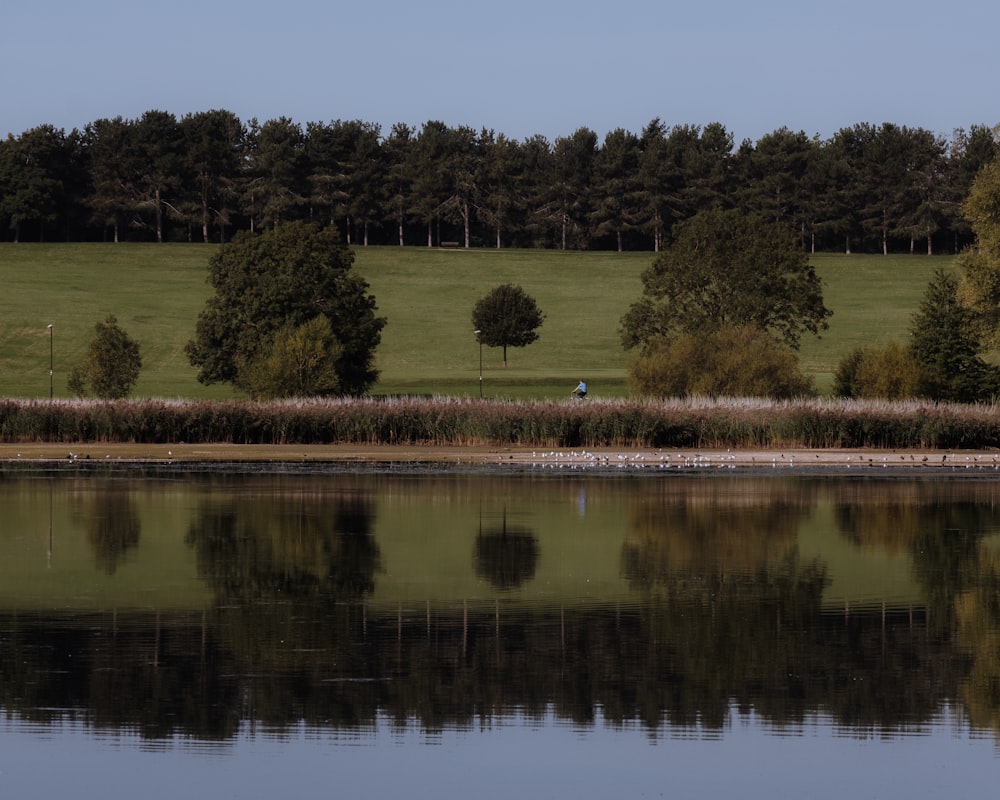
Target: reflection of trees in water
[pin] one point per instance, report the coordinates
(715, 528)
(506, 556)
(290, 572)
(113, 527)
(285, 547)
(293, 636)
(891, 515)
(942, 525)
(663, 662)
(977, 612)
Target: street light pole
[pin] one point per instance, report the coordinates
(479, 339)
(50, 361)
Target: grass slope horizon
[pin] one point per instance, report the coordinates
(427, 295)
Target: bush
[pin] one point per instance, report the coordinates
(878, 373)
(732, 361)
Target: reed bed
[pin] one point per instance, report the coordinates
(682, 423)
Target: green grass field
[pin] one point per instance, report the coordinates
(428, 346)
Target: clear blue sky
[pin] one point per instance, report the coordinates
(520, 67)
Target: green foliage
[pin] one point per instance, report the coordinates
(284, 277)
(945, 343)
(507, 317)
(885, 373)
(979, 267)
(112, 365)
(730, 361)
(302, 362)
(982, 208)
(726, 267)
(845, 375)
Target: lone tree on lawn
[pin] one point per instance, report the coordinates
(507, 317)
(287, 294)
(722, 310)
(727, 267)
(112, 364)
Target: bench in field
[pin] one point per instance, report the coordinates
(448, 244)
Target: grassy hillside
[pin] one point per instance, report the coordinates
(428, 347)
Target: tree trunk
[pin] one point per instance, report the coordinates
(159, 217)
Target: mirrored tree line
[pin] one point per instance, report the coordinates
(204, 176)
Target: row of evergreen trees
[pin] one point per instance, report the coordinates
(208, 174)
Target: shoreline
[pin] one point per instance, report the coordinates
(604, 458)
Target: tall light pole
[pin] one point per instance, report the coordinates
(50, 361)
(479, 339)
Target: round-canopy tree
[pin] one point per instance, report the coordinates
(279, 281)
(727, 267)
(507, 317)
(112, 365)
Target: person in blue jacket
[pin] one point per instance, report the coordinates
(580, 391)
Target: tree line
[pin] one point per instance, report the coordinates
(208, 175)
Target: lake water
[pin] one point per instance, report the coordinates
(407, 633)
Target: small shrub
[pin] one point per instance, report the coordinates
(878, 373)
(731, 361)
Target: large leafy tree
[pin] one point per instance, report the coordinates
(109, 147)
(775, 172)
(398, 185)
(569, 200)
(344, 172)
(655, 175)
(280, 280)
(618, 196)
(112, 365)
(979, 266)
(213, 155)
(158, 166)
(430, 182)
(507, 317)
(704, 157)
(33, 168)
(498, 182)
(277, 185)
(727, 267)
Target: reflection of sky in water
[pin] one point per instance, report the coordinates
(515, 758)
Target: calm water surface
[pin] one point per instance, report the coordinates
(504, 635)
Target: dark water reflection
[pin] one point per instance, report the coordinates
(226, 610)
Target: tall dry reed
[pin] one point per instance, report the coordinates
(691, 422)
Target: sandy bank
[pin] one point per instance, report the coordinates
(598, 458)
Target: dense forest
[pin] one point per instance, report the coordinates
(202, 177)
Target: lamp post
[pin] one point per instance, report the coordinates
(50, 361)
(480, 340)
